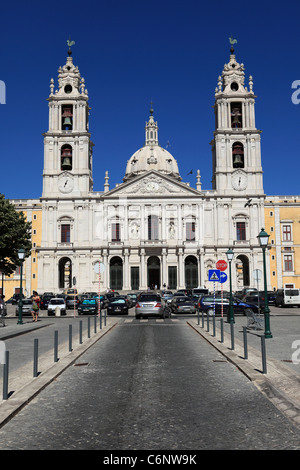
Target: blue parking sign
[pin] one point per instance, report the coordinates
(214, 275)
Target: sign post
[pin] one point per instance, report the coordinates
(213, 276)
(99, 268)
(222, 265)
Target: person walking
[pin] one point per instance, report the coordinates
(35, 306)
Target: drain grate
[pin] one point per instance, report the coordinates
(81, 364)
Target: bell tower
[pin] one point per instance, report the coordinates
(67, 143)
(236, 148)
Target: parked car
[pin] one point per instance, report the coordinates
(15, 298)
(254, 298)
(186, 292)
(287, 298)
(208, 304)
(167, 298)
(150, 304)
(55, 302)
(243, 292)
(117, 305)
(183, 305)
(271, 296)
(44, 301)
(71, 300)
(133, 298)
(200, 291)
(26, 307)
(89, 306)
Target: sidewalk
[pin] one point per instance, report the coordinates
(19, 341)
(281, 382)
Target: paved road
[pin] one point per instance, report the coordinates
(150, 385)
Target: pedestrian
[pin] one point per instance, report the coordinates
(35, 306)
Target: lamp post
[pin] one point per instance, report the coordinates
(263, 239)
(230, 315)
(21, 256)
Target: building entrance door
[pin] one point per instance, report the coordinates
(153, 272)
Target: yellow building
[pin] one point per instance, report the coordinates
(32, 210)
(282, 222)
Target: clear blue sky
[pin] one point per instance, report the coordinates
(132, 52)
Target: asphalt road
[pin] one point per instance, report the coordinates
(154, 385)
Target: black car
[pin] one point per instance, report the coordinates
(45, 299)
(210, 304)
(117, 306)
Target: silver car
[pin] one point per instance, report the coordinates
(183, 305)
(151, 305)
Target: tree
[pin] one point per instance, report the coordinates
(15, 233)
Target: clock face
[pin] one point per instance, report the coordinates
(65, 184)
(239, 181)
(153, 186)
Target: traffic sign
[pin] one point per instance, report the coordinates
(99, 266)
(221, 265)
(214, 275)
(223, 277)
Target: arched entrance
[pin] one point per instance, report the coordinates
(191, 272)
(153, 272)
(116, 273)
(64, 273)
(242, 271)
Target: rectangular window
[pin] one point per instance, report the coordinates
(288, 262)
(286, 233)
(65, 233)
(172, 277)
(152, 227)
(190, 231)
(241, 231)
(115, 236)
(135, 275)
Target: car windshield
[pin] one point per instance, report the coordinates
(118, 301)
(89, 302)
(56, 301)
(27, 302)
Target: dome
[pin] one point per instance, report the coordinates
(152, 156)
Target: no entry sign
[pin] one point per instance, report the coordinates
(221, 265)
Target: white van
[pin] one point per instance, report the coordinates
(287, 298)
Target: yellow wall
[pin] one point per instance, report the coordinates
(280, 211)
(32, 210)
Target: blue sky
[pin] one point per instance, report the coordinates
(170, 52)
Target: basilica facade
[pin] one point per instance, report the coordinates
(152, 229)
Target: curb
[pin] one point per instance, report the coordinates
(279, 389)
(19, 399)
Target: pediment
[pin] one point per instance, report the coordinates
(153, 184)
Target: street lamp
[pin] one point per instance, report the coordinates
(263, 239)
(21, 256)
(230, 316)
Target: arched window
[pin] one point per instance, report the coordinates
(66, 157)
(238, 155)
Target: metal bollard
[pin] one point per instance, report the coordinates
(263, 355)
(55, 346)
(214, 325)
(100, 318)
(89, 327)
(198, 313)
(207, 320)
(232, 335)
(95, 324)
(70, 338)
(245, 342)
(5, 376)
(222, 330)
(80, 332)
(202, 313)
(35, 357)
(105, 312)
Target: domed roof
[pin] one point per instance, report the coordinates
(152, 156)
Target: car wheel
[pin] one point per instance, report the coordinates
(138, 317)
(210, 312)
